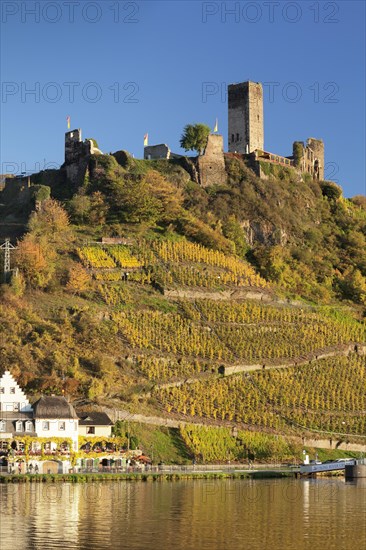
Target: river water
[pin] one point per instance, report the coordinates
(185, 515)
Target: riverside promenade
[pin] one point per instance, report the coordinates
(162, 472)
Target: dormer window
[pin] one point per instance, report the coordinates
(19, 426)
(28, 426)
(2, 425)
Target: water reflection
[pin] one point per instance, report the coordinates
(201, 514)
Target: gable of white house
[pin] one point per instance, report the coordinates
(12, 397)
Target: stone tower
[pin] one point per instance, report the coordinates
(77, 154)
(73, 146)
(317, 146)
(211, 165)
(245, 109)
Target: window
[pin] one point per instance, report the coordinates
(15, 406)
(19, 426)
(90, 430)
(2, 390)
(2, 425)
(28, 426)
(45, 426)
(61, 426)
(12, 390)
(232, 138)
(237, 137)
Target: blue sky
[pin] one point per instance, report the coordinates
(121, 69)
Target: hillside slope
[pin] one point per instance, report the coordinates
(256, 279)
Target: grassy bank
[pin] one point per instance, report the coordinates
(152, 476)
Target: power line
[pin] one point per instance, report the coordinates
(7, 247)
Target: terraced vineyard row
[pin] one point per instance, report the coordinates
(162, 369)
(196, 276)
(170, 333)
(123, 257)
(165, 261)
(285, 333)
(328, 395)
(213, 443)
(95, 256)
(231, 270)
(110, 257)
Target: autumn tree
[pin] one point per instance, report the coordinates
(133, 201)
(194, 137)
(168, 195)
(51, 221)
(36, 260)
(79, 279)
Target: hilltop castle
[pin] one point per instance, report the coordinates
(246, 139)
(246, 132)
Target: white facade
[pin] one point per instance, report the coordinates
(96, 431)
(59, 427)
(18, 417)
(12, 397)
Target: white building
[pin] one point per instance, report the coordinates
(49, 417)
(96, 424)
(54, 416)
(53, 423)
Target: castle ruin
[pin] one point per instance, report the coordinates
(246, 140)
(245, 113)
(77, 154)
(246, 133)
(211, 165)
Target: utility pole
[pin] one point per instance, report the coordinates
(7, 247)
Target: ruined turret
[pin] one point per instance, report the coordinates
(77, 154)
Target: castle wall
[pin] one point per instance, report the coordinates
(309, 158)
(245, 112)
(211, 165)
(160, 151)
(77, 153)
(317, 146)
